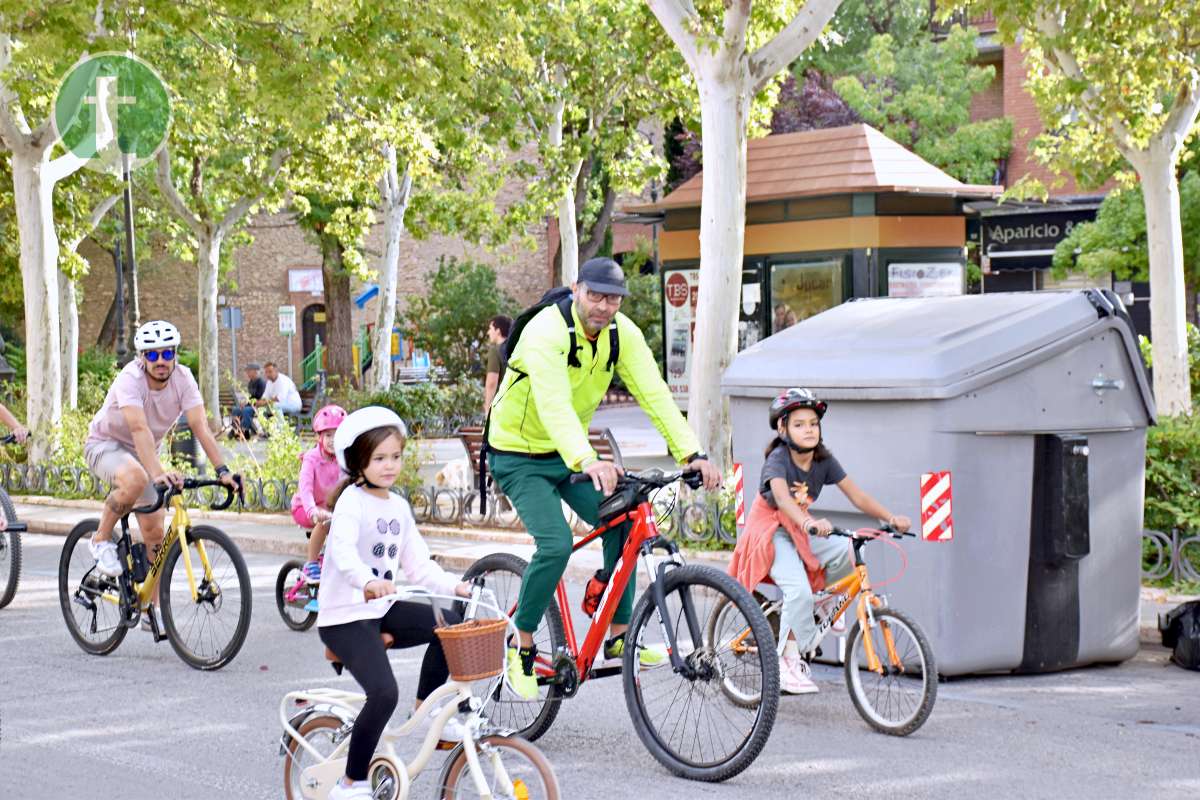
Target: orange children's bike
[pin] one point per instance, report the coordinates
(679, 709)
(889, 665)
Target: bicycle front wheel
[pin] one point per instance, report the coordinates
(513, 769)
(687, 720)
(899, 698)
(206, 630)
(292, 595)
(90, 602)
(529, 719)
(10, 553)
(324, 733)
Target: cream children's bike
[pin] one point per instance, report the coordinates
(489, 764)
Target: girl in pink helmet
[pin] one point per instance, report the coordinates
(319, 474)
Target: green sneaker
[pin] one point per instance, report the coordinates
(520, 672)
(653, 656)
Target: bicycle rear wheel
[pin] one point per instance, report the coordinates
(90, 602)
(898, 701)
(291, 596)
(687, 721)
(529, 774)
(207, 631)
(528, 719)
(10, 553)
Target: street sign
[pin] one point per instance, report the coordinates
(287, 320)
(231, 318)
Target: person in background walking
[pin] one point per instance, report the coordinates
(497, 333)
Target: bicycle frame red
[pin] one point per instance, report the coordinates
(642, 530)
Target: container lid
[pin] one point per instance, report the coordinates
(912, 348)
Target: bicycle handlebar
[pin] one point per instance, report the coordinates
(887, 529)
(649, 478)
(9, 439)
(16, 527)
(167, 491)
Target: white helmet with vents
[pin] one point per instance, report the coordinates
(359, 422)
(156, 334)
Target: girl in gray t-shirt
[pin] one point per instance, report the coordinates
(798, 466)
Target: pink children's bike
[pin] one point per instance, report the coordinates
(294, 593)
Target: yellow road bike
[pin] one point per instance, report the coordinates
(198, 576)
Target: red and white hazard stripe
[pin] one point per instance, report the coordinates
(740, 490)
(937, 524)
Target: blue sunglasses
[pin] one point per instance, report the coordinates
(154, 355)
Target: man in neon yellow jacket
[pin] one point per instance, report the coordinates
(537, 434)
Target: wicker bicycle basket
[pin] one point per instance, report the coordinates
(475, 649)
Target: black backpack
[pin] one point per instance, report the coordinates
(561, 298)
(1181, 632)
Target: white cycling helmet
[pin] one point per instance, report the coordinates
(156, 334)
(359, 422)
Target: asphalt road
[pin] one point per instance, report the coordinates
(141, 724)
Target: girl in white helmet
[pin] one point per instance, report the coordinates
(372, 540)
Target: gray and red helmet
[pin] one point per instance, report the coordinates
(793, 399)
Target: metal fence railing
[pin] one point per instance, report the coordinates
(699, 521)
(1175, 556)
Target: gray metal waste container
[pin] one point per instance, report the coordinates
(1037, 404)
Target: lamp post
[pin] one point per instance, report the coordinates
(122, 349)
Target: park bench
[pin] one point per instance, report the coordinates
(601, 440)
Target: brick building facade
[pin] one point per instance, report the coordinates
(258, 284)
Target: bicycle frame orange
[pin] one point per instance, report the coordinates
(855, 585)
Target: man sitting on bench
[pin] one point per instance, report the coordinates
(281, 392)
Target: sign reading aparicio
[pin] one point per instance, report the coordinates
(1040, 231)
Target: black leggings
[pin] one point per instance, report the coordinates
(359, 648)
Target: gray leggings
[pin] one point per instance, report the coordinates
(788, 573)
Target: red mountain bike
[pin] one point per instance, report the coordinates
(678, 709)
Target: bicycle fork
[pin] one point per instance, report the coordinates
(182, 524)
(659, 593)
(867, 622)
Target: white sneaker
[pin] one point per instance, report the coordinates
(453, 731)
(359, 790)
(794, 676)
(105, 553)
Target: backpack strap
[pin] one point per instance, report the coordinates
(564, 308)
(614, 345)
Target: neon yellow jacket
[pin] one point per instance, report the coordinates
(550, 410)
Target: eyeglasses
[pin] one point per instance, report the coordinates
(154, 355)
(600, 297)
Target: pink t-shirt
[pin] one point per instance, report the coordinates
(319, 476)
(161, 407)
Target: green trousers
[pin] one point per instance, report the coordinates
(537, 488)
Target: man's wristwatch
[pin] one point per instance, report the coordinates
(697, 456)
(222, 470)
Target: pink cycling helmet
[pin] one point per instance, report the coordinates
(328, 418)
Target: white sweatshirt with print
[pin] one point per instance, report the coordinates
(373, 538)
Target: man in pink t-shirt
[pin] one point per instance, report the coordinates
(143, 403)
